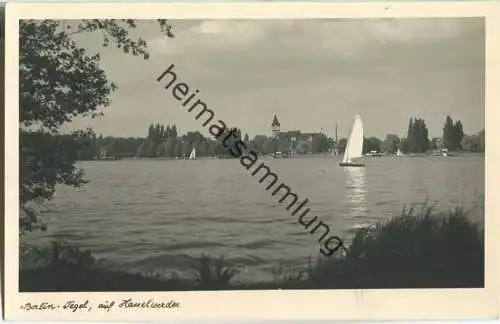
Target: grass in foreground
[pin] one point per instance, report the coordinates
(425, 250)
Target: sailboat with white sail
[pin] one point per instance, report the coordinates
(354, 148)
(192, 156)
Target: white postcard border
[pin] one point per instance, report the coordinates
(279, 304)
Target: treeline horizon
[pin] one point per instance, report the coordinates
(164, 141)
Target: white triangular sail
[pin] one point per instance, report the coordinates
(354, 148)
(192, 156)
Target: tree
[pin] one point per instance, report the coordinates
(173, 131)
(258, 143)
(471, 143)
(342, 145)
(160, 150)
(436, 143)
(167, 132)
(151, 131)
(147, 149)
(418, 137)
(58, 81)
(283, 144)
(90, 146)
(319, 143)
(205, 147)
(458, 134)
(391, 143)
(186, 147)
(423, 143)
(170, 145)
(163, 133)
(371, 144)
(270, 145)
(452, 134)
(155, 143)
(482, 140)
(303, 147)
(331, 144)
(179, 147)
(404, 145)
(226, 142)
(409, 137)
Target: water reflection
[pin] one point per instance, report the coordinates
(355, 192)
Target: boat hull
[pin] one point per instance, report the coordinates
(355, 165)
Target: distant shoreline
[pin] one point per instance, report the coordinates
(298, 156)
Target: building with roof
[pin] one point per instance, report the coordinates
(294, 135)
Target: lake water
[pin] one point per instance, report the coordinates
(150, 214)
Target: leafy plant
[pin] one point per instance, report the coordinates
(213, 273)
(57, 82)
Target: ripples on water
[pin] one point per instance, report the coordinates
(150, 215)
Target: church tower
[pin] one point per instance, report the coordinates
(275, 126)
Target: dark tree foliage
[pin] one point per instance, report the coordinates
(257, 144)
(342, 145)
(448, 136)
(161, 141)
(226, 142)
(371, 144)
(391, 143)
(164, 141)
(453, 134)
(472, 143)
(42, 151)
(404, 145)
(417, 140)
(57, 82)
(319, 143)
(331, 143)
(482, 140)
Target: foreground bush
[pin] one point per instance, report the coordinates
(62, 267)
(422, 251)
(426, 250)
(211, 274)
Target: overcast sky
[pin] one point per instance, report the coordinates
(310, 73)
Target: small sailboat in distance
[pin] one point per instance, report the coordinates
(354, 148)
(192, 156)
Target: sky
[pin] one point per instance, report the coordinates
(313, 74)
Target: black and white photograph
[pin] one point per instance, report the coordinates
(238, 154)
